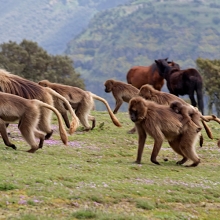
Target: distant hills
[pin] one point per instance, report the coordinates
(50, 23)
(106, 37)
(142, 31)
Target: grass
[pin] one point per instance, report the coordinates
(94, 177)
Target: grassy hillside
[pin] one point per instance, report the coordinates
(142, 31)
(94, 177)
(51, 23)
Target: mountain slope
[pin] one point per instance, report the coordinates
(142, 31)
(51, 23)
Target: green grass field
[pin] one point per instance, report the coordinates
(94, 177)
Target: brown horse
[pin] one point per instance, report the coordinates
(138, 76)
(182, 82)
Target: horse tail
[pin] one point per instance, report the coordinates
(199, 93)
(195, 80)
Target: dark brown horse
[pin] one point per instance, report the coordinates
(138, 76)
(182, 82)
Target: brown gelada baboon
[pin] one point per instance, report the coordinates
(163, 98)
(80, 100)
(161, 122)
(13, 84)
(13, 108)
(188, 112)
(121, 91)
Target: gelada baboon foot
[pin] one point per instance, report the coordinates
(13, 146)
(32, 150)
(155, 162)
(193, 164)
(180, 162)
(48, 135)
(87, 129)
(218, 143)
(132, 131)
(200, 140)
(93, 124)
(41, 143)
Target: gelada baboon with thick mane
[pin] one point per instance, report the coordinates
(13, 108)
(121, 91)
(161, 122)
(163, 98)
(80, 100)
(10, 83)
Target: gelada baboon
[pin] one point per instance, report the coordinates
(163, 98)
(10, 83)
(80, 100)
(160, 122)
(188, 112)
(13, 108)
(121, 91)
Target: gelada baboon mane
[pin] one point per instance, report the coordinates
(16, 85)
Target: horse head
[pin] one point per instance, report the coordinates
(163, 67)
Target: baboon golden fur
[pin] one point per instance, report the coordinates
(10, 83)
(121, 91)
(80, 100)
(188, 112)
(13, 108)
(147, 117)
(163, 98)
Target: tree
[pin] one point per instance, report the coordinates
(210, 71)
(32, 62)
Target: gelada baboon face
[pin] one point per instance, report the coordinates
(137, 110)
(176, 106)
(108, 86)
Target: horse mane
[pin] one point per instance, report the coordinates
(10, 83)
(153, 67)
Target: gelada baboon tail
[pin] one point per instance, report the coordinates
(63, 134)
(75, 121)
(208, 118)
(113, 117)
(207, 129)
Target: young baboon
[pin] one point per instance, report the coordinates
(160, 122)
(80, 100)
(28, 113)
(121, 91)
(163, 98)
(188, 112)
(10, 83)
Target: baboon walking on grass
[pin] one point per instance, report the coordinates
(80, 100)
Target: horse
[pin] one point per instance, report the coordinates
(138, 76)
(182, 82)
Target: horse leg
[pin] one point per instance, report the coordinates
(200, 99)
(192, 99)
